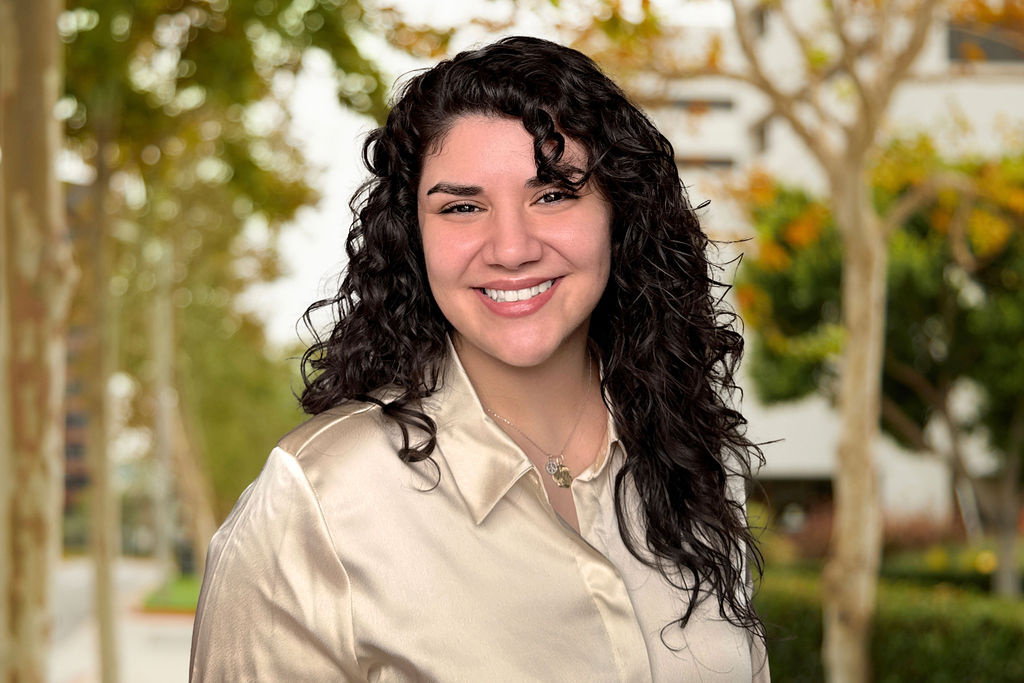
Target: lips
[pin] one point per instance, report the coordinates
(511, 295)
(517, 299)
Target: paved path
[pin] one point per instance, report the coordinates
(152, 648)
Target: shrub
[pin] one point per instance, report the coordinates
(918, 533)
(920, 634)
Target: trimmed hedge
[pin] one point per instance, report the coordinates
(937, 635)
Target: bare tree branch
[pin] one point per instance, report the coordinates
(783, 103)
(888, 15)
(894, 72)
(958, 238)
(801, 38)
(901, 423)
(915, 381)
(817, 75)
(917, 198)
(958, 241)
(687, 73)
(848, 55)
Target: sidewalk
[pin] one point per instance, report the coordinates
(152, 648)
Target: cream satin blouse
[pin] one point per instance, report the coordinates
(341, 563)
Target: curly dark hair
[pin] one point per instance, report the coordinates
(666, 342)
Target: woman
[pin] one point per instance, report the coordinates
(522, 465)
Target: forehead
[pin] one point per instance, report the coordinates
(480, 142)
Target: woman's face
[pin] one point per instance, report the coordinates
(516, 265)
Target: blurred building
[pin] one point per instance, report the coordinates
(76, 474)
(966, 91)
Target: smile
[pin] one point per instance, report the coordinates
(506, 295)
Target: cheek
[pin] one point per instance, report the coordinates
(601, 250)
(445, 263)
(433, 258)
(605, 267)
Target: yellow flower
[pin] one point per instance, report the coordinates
(986, 562)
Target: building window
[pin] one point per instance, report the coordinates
(76, 420)
(702, 105)
(704, 163)
(977, 42)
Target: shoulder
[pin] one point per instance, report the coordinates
(350, 452)
(333, 428)
(324, 466)
(258, 570)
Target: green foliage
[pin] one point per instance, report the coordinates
(241, 398)
(800, 253)
(951, 564)
(790, 296)
(176, 106)
(920, 634)
(956, 283)
(135, 60)
(781, 376)
(1000, 321)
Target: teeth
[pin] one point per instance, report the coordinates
(503, 295)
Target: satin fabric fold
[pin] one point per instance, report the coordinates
(340, 562)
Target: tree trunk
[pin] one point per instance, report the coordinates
(37, 276)
(963, 484)
(162, 349)
(194, 491)
(1007, 578)
(178, 474)
(851, 574)
(102, 353)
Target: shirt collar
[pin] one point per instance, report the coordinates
(604, 456)
(484, 461)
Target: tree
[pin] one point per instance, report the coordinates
(175, 108)
(842, 63)
(956, 263)
(37, 275)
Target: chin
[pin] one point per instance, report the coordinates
(526, 359)
(520, 353)
(527, 350)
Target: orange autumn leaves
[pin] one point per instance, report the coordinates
(989, 215)
(758, 194)
(978, 221)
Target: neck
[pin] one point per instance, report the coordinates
(542, 398)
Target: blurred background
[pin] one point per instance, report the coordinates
(207, 153)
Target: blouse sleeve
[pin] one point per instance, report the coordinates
(275, 602)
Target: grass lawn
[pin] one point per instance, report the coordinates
(179, 595)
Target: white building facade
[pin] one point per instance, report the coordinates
(968, 109)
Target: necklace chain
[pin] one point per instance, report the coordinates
(555, 465)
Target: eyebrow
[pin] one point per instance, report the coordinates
(457, 190)
(473, 190)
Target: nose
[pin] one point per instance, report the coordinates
(511, 240)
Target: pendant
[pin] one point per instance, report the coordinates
(562, 476)
(551, 467)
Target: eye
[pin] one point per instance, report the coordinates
(555, 196)
(460, 208)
